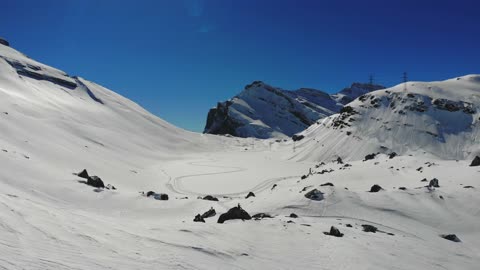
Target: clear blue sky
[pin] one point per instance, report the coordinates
(178, 58)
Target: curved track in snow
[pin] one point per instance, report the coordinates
(175, 184)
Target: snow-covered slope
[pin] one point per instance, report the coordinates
(440, 119)
(348, 94)
(263, 111)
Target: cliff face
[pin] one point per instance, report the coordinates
(264, 111)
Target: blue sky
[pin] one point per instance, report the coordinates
(178, 58)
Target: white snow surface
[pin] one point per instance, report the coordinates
(49, 220)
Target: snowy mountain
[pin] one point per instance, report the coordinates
(440, 119)
(263, 111)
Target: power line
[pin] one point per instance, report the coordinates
(370, 79)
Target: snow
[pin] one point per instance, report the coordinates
(49, 220)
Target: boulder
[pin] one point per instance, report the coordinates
(475, 162)
(433, 183)
(369, 228)
(303, 177)
(451, 237)
(402, 188)
(315, 195)
(375, 188)
(334, 232)
(250, 194)
(83, 174)
(234, 213)
(198, 218)
(209, 213)
(339, 160)
(210, 198)
(392, 155)
(293, 215)
(369, 157)
(297, 137)
(95, 181)
(160, 196)
(150, 193)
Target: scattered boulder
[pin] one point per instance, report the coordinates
(95, 181)
(424, 180)
(250, 194)
(392, 155)
(111, 187)
(327, 184)
(349, 225)
(433, 183)
(475, 162)
(160, 196)
(370, 156)
(375, 188)
(402, 188)
(468, 187)
(261, 216)
(234, 213)
(83, 174)
(210, 198)
(297, 137)
(150, 193)
(303, 177)
(369, 228)
(315, 195)
(293, 215)
(198, 218)
(274, 186)
(451, 237)
(339, 160)
(209, 213)
(334, 232)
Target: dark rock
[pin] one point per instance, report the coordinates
(293, 215)
(349, 225)
(451, 237)
(315, 195)
(83, 174)
(370, 156)
(198, 218)
(274, 186)
(296, 137)
(160, 196)
(392, 155)
(209, 213)
(424, 180)
(327, 184)
(434, 183)
(402, 188)
(468, 187)
(375, 188)
(303, 177)
(369, 228)
(234, 213)
(95, 181)
(210, 198)
(250, 194)
(475, 162)
(334, 232)
(261, 216)
(150, 193)
(339, 160)
(420, 169)
(4, 42)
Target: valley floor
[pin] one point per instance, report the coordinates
(67, 225)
